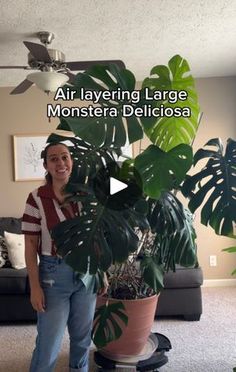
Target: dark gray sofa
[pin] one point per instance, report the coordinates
(14, 284)
(181, 296)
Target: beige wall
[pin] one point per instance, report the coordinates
(26, 114)
(20, 114)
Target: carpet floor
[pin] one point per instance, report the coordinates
(205, 346)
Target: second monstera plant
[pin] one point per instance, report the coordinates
(156, 231)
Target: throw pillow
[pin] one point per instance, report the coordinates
(16, 249)
(4, 259)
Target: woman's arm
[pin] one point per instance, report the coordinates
(104, 288)
(36, 293)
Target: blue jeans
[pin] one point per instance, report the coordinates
(68, 303)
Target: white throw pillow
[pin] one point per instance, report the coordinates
(16, 249)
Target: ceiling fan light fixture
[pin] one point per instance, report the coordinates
(48, 81)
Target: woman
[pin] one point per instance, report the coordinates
(59, 297)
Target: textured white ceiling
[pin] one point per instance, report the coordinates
(142, 33)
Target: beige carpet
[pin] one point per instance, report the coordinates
(208, 345)
(205, 346)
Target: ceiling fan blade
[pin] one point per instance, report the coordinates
(38, 51)
(11, 67)
(84, 65)
(22, 87)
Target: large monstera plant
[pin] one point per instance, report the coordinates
(156, 229)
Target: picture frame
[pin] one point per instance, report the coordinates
(27, 148)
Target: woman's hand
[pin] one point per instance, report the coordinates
(37, 299)
(104, 288)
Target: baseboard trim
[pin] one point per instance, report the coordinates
(219, 283)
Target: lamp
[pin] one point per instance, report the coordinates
(48, 81)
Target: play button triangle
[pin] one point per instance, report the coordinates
(116, 186)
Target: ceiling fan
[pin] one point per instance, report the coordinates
(43, 59)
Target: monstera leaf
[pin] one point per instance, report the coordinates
(152, 273)
(168, 132)
(161, 171)
(105, 327)
(215, 185)
(175, 236)
(100, 236)
(105, 131)
(166, 215)
(170, 242)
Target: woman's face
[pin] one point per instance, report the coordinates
(59, 163)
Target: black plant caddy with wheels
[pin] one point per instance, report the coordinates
(157, 360)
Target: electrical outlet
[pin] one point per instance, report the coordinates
(213, 261)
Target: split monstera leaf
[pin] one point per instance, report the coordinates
(215, 186)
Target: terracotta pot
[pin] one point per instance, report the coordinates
(140, 314)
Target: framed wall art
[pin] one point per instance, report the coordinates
(28, 165)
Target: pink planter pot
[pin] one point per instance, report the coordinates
(140, 314)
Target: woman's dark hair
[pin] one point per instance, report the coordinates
(44, 154)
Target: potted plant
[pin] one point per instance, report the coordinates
(138, 243)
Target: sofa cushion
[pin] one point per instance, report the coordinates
(184, 278)
(16, 249)
(13, 281)
(10, 224)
